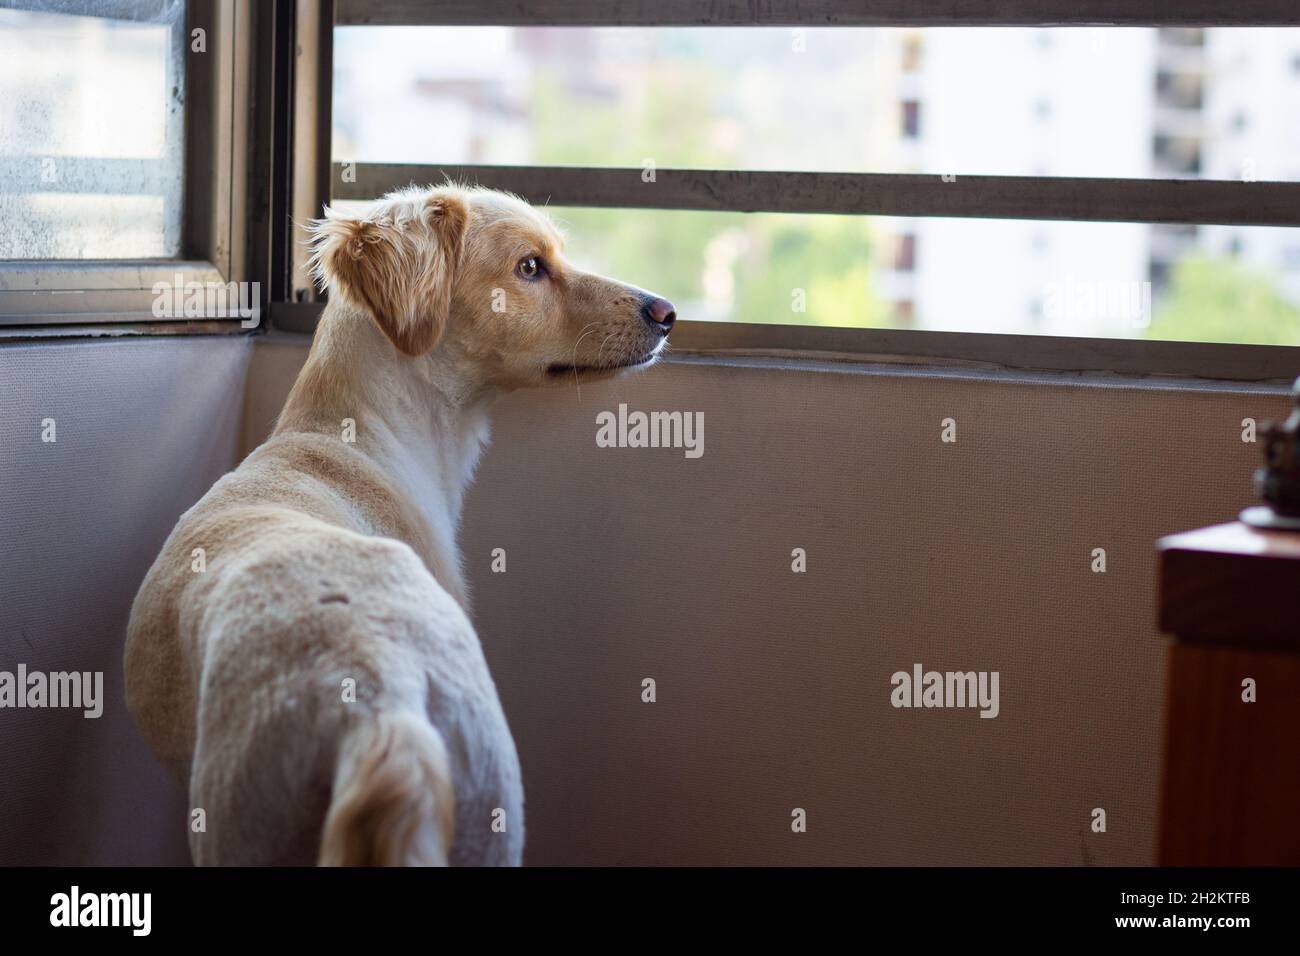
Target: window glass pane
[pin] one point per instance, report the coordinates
(92, 130)
(1095, 102)
(1220, 103)
(1230, 284)
(1104, 280)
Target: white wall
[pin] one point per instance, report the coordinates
(773, 688)
(143, 428)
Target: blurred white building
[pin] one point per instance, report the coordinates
(1217, 104)
(1251, 130)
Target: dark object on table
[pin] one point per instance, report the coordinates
(1278, 482)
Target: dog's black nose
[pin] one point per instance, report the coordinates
(660, 314)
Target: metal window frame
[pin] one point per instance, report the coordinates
(1194, 201)
(76, 294)
(312, 117)
(815, 13)
(291, 119)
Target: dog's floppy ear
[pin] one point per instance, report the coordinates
(397, 262)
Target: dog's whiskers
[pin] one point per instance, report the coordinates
(601, 351)
(577, 376)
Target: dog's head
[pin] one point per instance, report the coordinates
(481, 276)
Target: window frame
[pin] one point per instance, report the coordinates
(813, 13)
(39, 297)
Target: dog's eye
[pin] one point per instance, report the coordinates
(529, 267)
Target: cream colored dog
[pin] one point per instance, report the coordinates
(300, 652)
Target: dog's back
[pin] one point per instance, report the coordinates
(325, 699)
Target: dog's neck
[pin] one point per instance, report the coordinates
(423, 421)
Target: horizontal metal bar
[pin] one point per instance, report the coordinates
(70, 292)
(981, 197)
(40, 333)
(19, 275)
(814, 13)
(99, 308)
(1209, 360)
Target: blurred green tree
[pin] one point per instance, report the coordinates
(1221, 300)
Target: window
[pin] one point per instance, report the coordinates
(94, 168)
(921, 172)
(905, 253)
(911, 56)
(911, 119)
(929, 106)
(824, 100)
(114, 183)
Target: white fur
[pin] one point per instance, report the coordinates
(329, 561)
